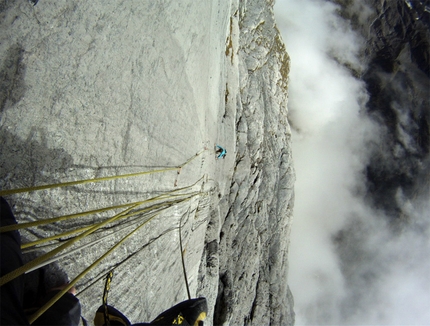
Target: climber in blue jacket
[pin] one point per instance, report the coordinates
(221, 151)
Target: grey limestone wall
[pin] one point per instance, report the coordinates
(100, 88)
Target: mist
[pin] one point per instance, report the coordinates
(348, 264)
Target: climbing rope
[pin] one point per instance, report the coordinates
(108, 178)
(155, 205)
(48, 261)
(55, 298)
(67, 233)
(39, 260)
(183, 260)
(21, 270)
(118, 264)
(105, 297)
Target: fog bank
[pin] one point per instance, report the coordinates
(347, 264)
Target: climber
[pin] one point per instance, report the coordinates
(221, 151)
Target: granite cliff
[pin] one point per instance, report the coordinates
(93, 89)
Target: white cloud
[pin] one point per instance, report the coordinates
(331, 144)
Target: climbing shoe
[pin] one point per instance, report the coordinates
(108, 315)
(187, 313)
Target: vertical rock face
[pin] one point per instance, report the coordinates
(92, 89)
(254, 237)
(99, 88)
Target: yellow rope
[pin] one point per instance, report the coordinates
(64, 234)
(88, 230)
(54, 299)
(54, 237)
(81, 275)
(21, 270)
(25, 225)
(39, 260)
(86, 245)
(79, 182)
(48, 261)
(55, 219)
(118, 264)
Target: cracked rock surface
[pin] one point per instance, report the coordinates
(101, 88)
(254, 237)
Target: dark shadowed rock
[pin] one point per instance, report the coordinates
(398, 80)
(397, 51)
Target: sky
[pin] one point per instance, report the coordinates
(347, 265)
